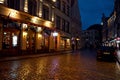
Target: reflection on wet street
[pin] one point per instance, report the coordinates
(71, 66)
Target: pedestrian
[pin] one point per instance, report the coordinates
(73, 44)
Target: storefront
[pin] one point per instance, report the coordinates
(64, 41)
(10, 37)
(21, 33)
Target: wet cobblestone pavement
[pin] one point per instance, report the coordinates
(71, 66)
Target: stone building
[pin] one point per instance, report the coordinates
(34, 26)
(111, 27)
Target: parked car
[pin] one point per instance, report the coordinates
(106, 53)
(117, 55)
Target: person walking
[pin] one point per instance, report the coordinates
(73, 44)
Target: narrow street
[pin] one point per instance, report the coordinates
(80, 65)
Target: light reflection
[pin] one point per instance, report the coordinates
(118, 65)
(14, 68)
(54, 67)
(40, 67)
(24, 71)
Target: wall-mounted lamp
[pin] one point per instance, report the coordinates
(39, 29)
(13, 13)
(55, 34)
(39, 35)
(24, 26)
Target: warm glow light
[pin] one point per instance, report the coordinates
(24, 34)
(24, 26)
(40, 14)
(47, 23)
(54, 0)
(1, 1)
(77, 39)
(55, 34)
(26, 6)
(39, 35)
(13, 13)
(14, 40)
(34, 19)
(39, 29)
(52, 18)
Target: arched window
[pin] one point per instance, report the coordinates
(32, 7)
(14, 4)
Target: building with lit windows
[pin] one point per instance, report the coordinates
(33, 26)
(111, 27)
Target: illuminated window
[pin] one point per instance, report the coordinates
(26, 6)
(14, 40)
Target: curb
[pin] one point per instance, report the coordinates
(32, 56)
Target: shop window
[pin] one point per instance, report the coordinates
(30, 39)
(6, 40)
(14, 40)
(10, 40)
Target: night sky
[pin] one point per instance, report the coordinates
(91, 11)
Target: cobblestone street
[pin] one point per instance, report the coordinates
(80, 65)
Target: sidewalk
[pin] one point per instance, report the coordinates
(32, 56)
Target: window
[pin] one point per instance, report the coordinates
(67, 27)
(63, 24)
(63, 7)
(58, 4)
(68, 10)
(32, 7)
(57, 22)
(14, 4)
(45, 12)
(26, 6)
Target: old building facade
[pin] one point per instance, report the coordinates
(111, 27)
(34, 26)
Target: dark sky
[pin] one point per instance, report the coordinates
(91, 11)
